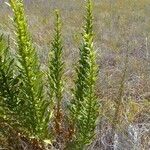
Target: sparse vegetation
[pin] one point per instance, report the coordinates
(68, 98)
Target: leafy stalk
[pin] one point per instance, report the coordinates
(84, 106)
(56, 67)
(32, 104)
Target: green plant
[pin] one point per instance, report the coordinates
(84, 106)
(6, 73)
(55, 78)
(9, 90)
(32, 104)
(9, 81)
(56, 67)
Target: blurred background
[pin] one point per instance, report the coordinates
(122, 43)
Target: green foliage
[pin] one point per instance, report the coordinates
(22, 94)
(8, 80)
(55, 73)
(84, 106)
(33, 105)
(56, 64)
(9, 90)
(26, 109)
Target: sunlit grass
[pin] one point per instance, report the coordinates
(117, 23)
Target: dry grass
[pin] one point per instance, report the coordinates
(117, 22)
